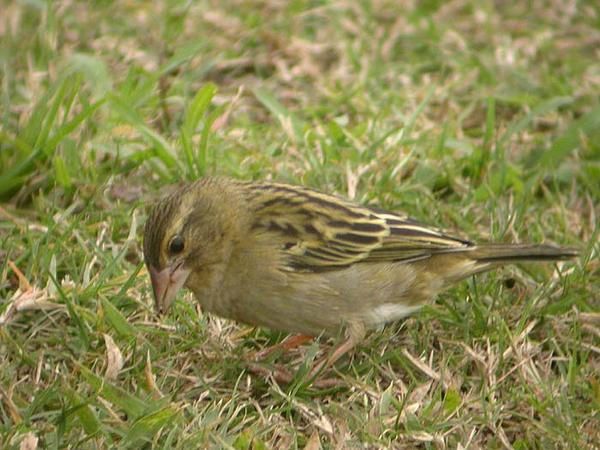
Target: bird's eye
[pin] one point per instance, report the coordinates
(176, 245)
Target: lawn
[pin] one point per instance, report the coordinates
(482, 118)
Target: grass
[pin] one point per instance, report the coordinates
(481, 117)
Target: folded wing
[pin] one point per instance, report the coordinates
(323, 232)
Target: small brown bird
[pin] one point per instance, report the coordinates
(294, 259)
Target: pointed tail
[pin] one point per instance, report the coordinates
(455, 266)
(497, 254)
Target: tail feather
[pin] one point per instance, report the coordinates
(459, 264)
(510, 253)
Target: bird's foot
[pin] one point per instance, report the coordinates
(289, 343)
(282, 375)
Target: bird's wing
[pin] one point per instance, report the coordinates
(323, 232)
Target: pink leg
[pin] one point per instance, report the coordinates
(355, 333)
(289, 343)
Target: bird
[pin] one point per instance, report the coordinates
(294, 259)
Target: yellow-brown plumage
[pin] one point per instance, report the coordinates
(294, 259)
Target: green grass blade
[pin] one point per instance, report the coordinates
(543, 108)
(146, 427)
(161, 146)
(86, 415)
(197, 110)
(132, 405)
(116, 319)
(586, 127)
(290, 123)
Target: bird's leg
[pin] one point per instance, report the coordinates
(289, 343)
(355, 332)
(279, 374)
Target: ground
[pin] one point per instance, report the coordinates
(482, 118)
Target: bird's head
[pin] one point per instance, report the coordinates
(186, 234)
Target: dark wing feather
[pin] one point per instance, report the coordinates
(324, 232)
(409, 238)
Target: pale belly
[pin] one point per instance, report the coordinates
(323, 303)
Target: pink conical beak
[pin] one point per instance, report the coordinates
(165, 284)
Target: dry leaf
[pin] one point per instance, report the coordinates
(29, 442)
(422, 366)
(126, 192)
(114, 358)
(26, 297)
(150, 380)
(324, 424)
(13, 411)
(314, 443)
